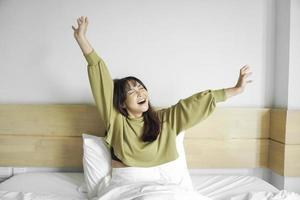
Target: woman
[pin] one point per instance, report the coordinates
(137, 135)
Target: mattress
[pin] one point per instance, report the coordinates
(54, 184)
(71, 185)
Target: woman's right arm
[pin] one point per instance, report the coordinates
(99, 76)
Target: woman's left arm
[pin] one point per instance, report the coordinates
(241, 83)
(190, 111)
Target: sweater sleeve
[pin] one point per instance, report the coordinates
(102, 86)
(190, 111)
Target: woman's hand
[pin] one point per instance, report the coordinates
(242, 81)
(82, 27)
(79, 34)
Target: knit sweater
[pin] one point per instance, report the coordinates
(123, 134)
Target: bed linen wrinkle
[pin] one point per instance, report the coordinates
(145, 183)
(219, 185)
(263, 195)
(9, 195)
(149, 184)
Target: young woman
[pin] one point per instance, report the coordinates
(138, 135)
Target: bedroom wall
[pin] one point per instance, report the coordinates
(286, 84)
(293, 183)
(294, 65)
(176, 47)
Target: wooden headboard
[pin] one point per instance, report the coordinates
(49, 135)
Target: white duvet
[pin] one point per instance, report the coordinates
(145, 184)
(138, 184)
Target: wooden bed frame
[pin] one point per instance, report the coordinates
(49, 135)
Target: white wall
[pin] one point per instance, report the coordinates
(281, 67)
(287, 71)
(287, 59)
(176, 47)
(294, 65)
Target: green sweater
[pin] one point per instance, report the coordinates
(123, 134)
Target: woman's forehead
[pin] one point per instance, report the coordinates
(132, 83)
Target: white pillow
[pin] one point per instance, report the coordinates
(177, 170)
(187, 181)
(97, 164)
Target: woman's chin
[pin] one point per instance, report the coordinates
(145, 109)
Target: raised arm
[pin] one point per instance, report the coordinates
(190, 111)
(99, 76)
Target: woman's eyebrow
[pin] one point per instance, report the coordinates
(136, 84)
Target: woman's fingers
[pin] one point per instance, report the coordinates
(248, 74)
(80, 30)
(245, 72)
(82, 20)
(245, 69)
(82, 23)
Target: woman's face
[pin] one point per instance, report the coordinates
(136, 99)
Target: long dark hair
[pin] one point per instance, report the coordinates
(151, 120)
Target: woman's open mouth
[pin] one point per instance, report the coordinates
(142, 102)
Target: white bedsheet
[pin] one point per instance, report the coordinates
(280, 195)
(50, 185)
(8, 195)
(57, 186)
(224, 187)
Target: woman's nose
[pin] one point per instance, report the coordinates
(138, 93)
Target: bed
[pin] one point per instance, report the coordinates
(70, 185)
(51, 136)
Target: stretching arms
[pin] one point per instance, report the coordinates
(79, 34)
